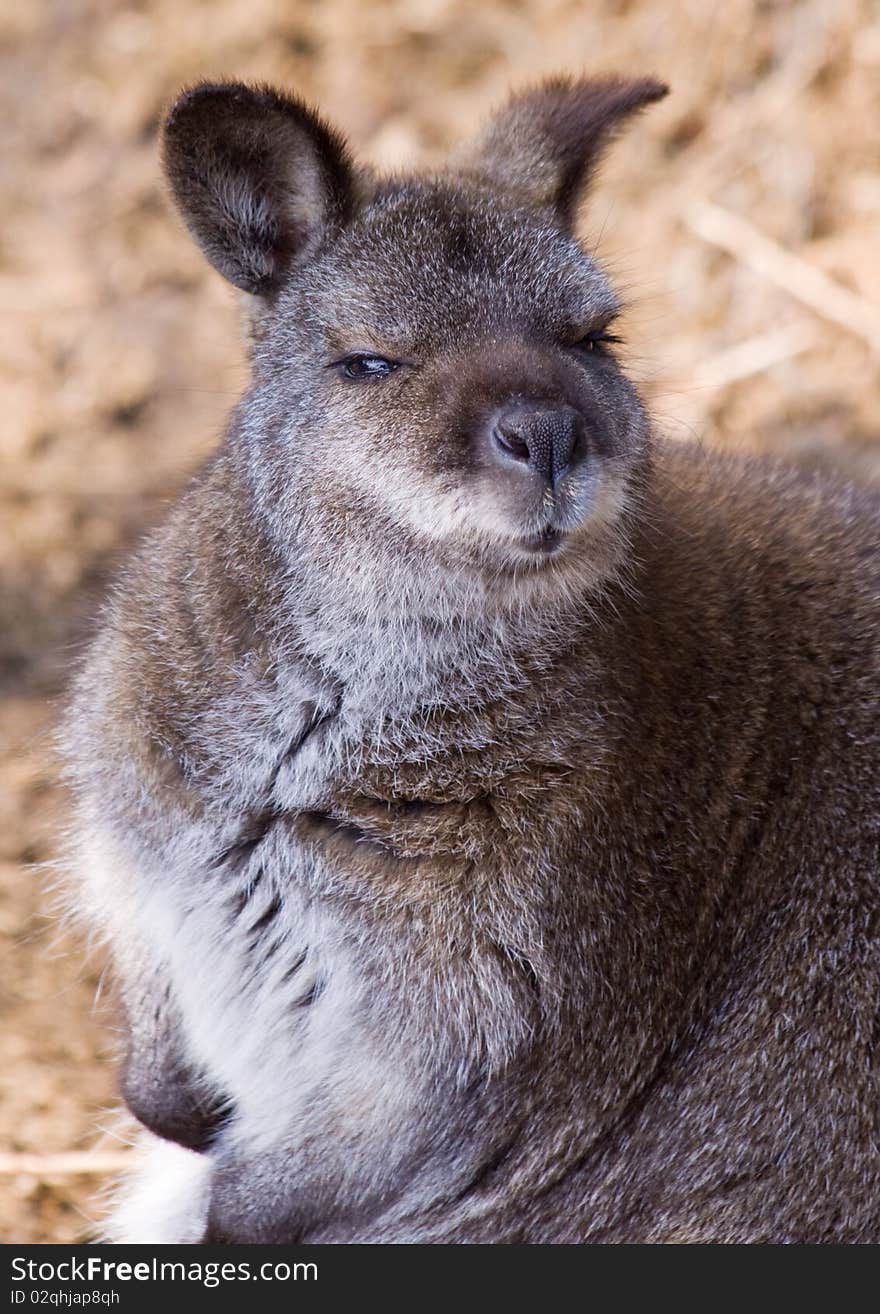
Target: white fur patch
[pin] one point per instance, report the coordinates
(164, 1201)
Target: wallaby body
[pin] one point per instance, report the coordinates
(480, 798)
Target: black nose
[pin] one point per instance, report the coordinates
(546, 437)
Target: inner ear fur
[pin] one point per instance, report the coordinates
(544, 145)
(258, 177)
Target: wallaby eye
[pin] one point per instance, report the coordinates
(597, 340)
(359, 365)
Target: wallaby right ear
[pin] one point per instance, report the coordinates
(258, 178)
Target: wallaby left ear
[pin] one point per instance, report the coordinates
(258, 177)
(544, 144)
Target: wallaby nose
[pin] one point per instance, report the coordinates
(545, 437)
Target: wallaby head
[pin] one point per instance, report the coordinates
(434, 375)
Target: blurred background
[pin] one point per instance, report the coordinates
(741, 218)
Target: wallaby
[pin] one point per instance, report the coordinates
(479, 796)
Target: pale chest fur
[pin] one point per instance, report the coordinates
(357, 912)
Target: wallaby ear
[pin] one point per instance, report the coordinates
(544, 144)
(257, 176)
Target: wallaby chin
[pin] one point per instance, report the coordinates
(479, 796)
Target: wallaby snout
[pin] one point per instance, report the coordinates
(545, 438)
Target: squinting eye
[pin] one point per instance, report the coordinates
(361, 366)
(597, 340)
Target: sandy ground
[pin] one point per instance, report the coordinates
(741, 219)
